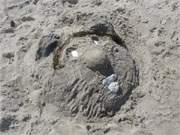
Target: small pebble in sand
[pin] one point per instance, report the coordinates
(12, 23)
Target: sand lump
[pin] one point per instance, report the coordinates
(77, 87)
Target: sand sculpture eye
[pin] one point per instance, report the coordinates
(95, 73)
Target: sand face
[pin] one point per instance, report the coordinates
(45, 90)
(76, 86)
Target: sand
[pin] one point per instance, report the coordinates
(40, 91)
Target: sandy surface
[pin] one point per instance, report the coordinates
(150, 30)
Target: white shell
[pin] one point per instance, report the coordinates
(114, 87)
(107, 81)
(96, 42)
(74, 54)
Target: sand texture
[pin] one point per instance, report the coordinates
(89, 67)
